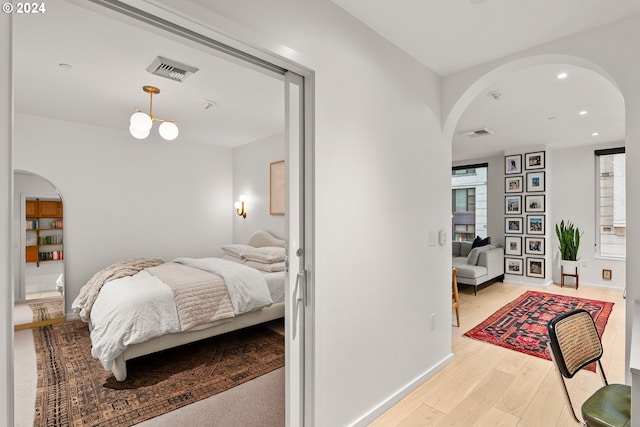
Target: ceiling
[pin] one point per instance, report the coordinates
(537, 108)
(109, 58)
(452, 35)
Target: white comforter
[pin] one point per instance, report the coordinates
(137, 308)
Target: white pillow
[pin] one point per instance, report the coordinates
(267, 254)
(238, 251)
(276, 266)
(232, 258)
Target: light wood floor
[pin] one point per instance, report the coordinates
(491, 386)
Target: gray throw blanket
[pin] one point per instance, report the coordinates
(89, 292)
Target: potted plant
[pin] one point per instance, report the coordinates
(569, 238)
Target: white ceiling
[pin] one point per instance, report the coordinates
(537, 109)
(450, 36)
(109, 59)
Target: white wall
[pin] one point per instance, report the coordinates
(610, 50)
(574, 199)
(125, 198)
(382, 183)
(251, 178)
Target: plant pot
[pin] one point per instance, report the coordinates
(569, 267)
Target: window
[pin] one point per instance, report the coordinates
(611, 201)
(469, 202)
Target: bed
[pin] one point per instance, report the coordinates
(142, 306)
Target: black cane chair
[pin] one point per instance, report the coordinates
(575, 344)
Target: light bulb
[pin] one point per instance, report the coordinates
(140, 121)
(168, 130)
(237, 205)
(137, 133)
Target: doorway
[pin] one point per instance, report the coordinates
(294, 380)
(38, 228)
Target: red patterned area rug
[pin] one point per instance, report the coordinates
(74, 389)
(521, 325)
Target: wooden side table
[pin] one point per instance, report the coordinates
(563, 275)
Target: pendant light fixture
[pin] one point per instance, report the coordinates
(141, 122)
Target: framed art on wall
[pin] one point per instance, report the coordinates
(535, 182)
(513, 225)
(513, 184)
(513, 245)
(276, 188)
(534, 203)
(534, 160)
(512, 205)
(513, 164)
(534, 245)
(535, 267)
(513, 266)
(535, 224)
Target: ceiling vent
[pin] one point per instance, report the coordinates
(477, 132)
(170, 69)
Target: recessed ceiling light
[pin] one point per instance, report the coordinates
(477, 2)
(583, 113)
(595, 134)
(551, 118)
(65, 66)
(562, 75)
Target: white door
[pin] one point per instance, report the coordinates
(298, 358)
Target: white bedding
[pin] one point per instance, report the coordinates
(130, 310)
(137, 308)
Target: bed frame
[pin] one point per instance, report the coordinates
(119, 367)
(274, 311)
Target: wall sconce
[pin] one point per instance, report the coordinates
(240, 206)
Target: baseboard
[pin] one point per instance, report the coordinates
(401, 394)
(597, 286)
(510, 280)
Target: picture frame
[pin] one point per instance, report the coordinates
(513, 225)
(513, 164)
(534, 245)
(535, 267)
(535, 224)
(534, 203)
(276, 188)
(514, 266)
(534, 160)
(513, 245)
(535, 182)
(512, 205)
(606, 274)
(513, 184)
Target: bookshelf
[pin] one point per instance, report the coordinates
(43, 231)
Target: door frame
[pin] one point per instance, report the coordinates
(205, 33)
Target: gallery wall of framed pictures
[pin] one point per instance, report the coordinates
(525, 212)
